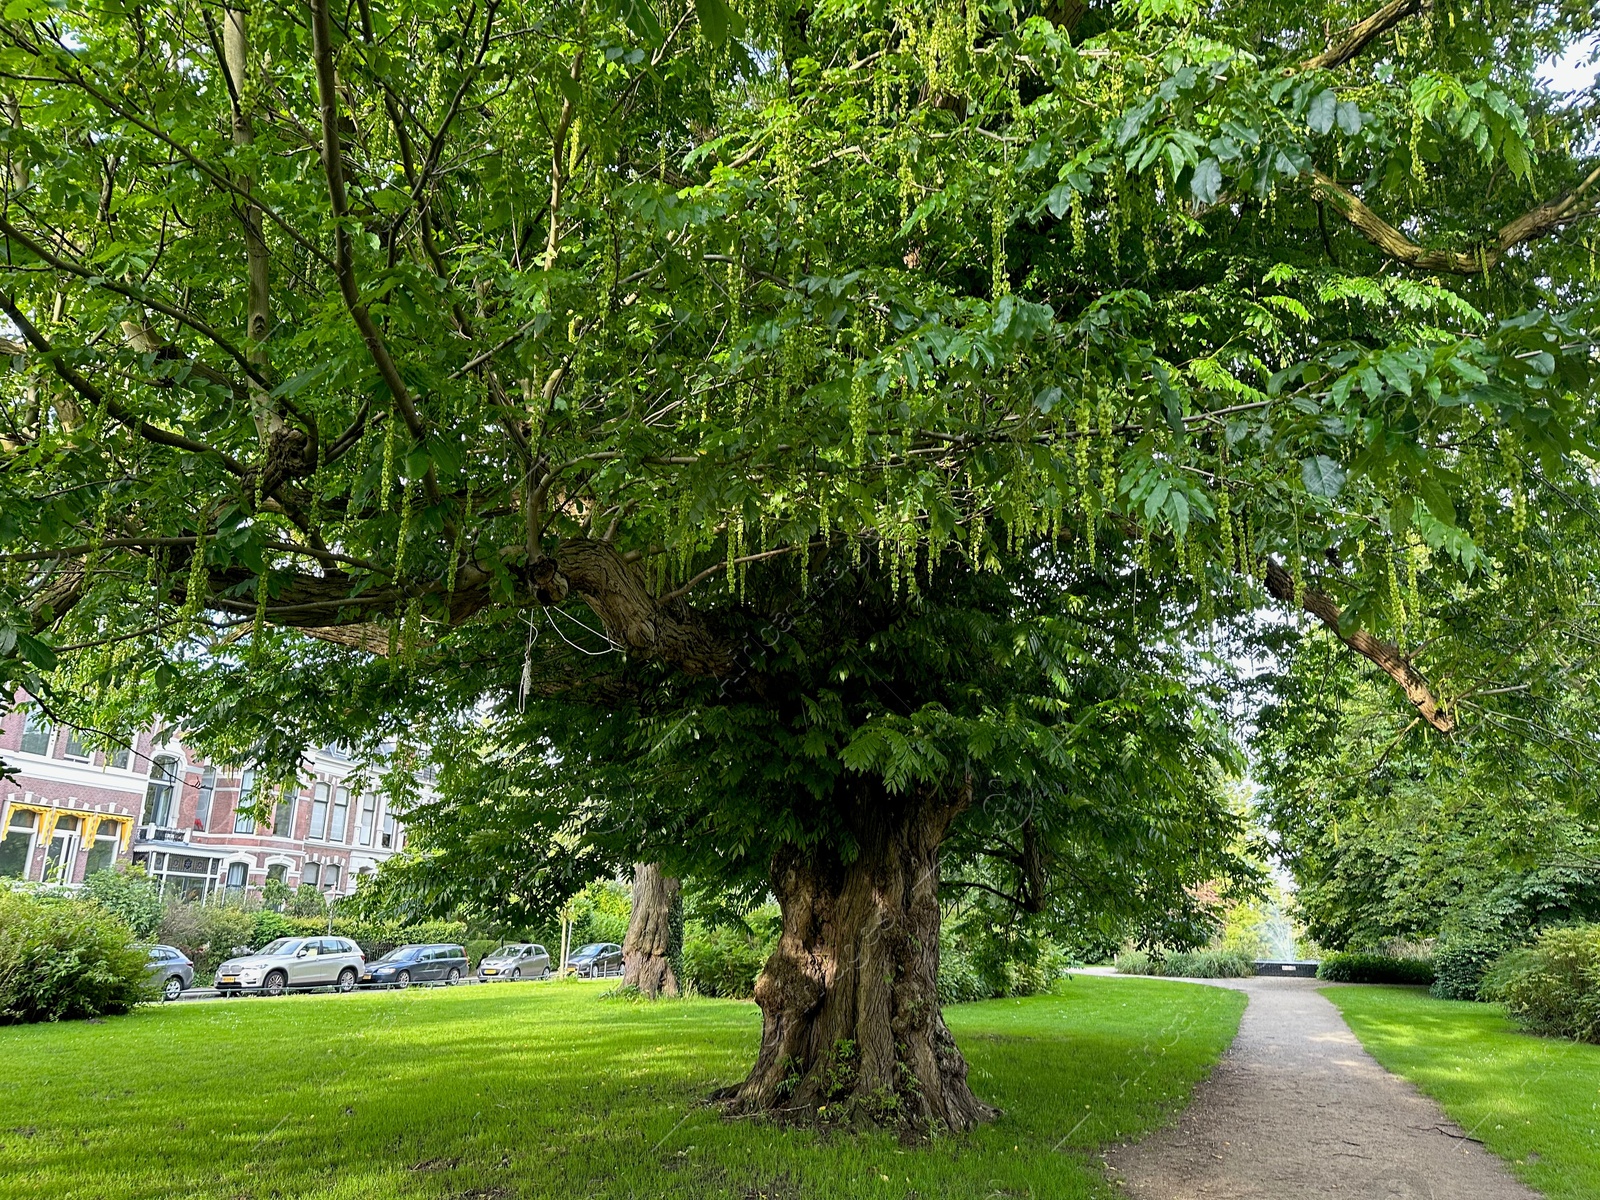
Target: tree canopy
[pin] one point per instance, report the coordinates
(526, 354)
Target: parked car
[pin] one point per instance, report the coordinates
(170, 970)
(291, 963)
(595, 960)
(520, 960)
(405, 965)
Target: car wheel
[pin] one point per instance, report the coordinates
(547, 973)
(455, 976)
(172, 989)
(347, 980)
(516, 973)
(275, 984)
(403, 980)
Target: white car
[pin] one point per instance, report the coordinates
(291, 963)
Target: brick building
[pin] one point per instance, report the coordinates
(69, 810)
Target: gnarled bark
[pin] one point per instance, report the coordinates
(654, 941)
(850, 998)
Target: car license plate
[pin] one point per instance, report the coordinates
(491, 970)
(230, 979)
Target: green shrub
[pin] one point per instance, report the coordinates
(129, 895)
(1359, 967)
(1553, 987)
(479, 948)
(1459, 965)
(63, 958)
(207, 933)
(960, 981)
(723, 961)
(1186, 964)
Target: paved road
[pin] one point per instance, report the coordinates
(1297, 1110)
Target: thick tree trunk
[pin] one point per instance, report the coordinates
(654, 941)
(850, 998)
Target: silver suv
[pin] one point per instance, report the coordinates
(290, 963)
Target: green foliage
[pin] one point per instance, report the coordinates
(62, 959)
(130, 896)
(1186, 964)
(480, 948)
(987, 953)
(1553, 986)
(307, 901)
(600, 912)
(1359, 967)
(723, 961)
(208, 933)
(1461, 963)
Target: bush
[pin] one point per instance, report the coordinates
(63, 958)
(207, 933)
(1554, 986)
(723, 961)
(1358, 967)
(479, 948)
(1459, 966)
(1187, 964)
(130, 896)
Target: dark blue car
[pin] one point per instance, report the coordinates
(404, 965)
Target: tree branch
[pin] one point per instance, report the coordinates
(96, 397)
(1387, 658)
(1356, 39)
(1573, 205)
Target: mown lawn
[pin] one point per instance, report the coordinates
(548, 1090)
(1533, 1101)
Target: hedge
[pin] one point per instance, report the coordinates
(1358, 967)
(1460, 965)
(1553, 987)
(63, 958)
(1193, 964)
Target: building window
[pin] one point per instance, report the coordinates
(369, 812)
(277, 871)
(119, 758)
(103, 854)
(159, 796)
(75, 747)
(283, 814)
(238, 875)
(244, 820)
(36, 733)
(319, 811)
(16, 851)
(388, 832)
(330, 876)
(62, 852)
(308, 874)
(208, 791)
(340, 814)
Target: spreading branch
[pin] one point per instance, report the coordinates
(1573, 205)
(1356, 39)
(1386, 657)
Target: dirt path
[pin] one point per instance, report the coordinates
(1298, 1110)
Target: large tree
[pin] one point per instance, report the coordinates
(1027, 730)
(397, 327)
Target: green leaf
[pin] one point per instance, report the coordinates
(717, 20)
(1322, 476)
(1207, 181)
(1437, 499)
(641, 21)
(1321, 111)
(1349, 117)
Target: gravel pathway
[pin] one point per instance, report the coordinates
(1297, 1110)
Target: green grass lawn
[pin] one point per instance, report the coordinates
(1533, 1101)
(549, 1090)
